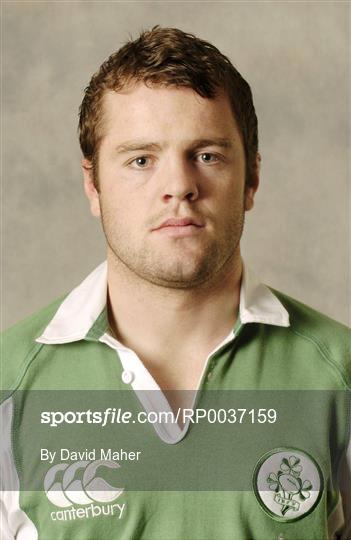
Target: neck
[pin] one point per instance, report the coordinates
(148, 317)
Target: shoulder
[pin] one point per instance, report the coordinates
(18, 345)
(331, 339)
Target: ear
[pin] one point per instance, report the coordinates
(251, 189)
(89, 187)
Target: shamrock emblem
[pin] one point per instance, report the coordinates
(288, 483)
(291, 466)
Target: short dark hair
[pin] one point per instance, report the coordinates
(169, 57)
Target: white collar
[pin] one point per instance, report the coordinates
(80, 309)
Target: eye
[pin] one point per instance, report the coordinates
(140, 162)
(208, 157)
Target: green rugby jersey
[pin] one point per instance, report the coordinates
(269, 460)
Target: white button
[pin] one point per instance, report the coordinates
(127, 377)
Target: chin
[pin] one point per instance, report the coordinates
(173, 270)
(182, 277)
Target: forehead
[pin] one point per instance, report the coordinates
(166, 112)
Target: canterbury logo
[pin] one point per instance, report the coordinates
(86, 489)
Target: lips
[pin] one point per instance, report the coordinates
(180, 222)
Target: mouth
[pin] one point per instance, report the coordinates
(180, 227)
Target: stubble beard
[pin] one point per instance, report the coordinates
(215, 263)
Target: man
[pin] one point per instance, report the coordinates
(168, 132)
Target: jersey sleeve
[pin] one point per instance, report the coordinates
(14, 522)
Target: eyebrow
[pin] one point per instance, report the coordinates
(132, 146)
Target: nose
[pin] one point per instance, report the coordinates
(180, 182)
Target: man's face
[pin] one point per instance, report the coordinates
(169, 154)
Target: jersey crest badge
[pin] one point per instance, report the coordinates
(288, 484)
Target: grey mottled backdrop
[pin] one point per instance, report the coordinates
(295, 55)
